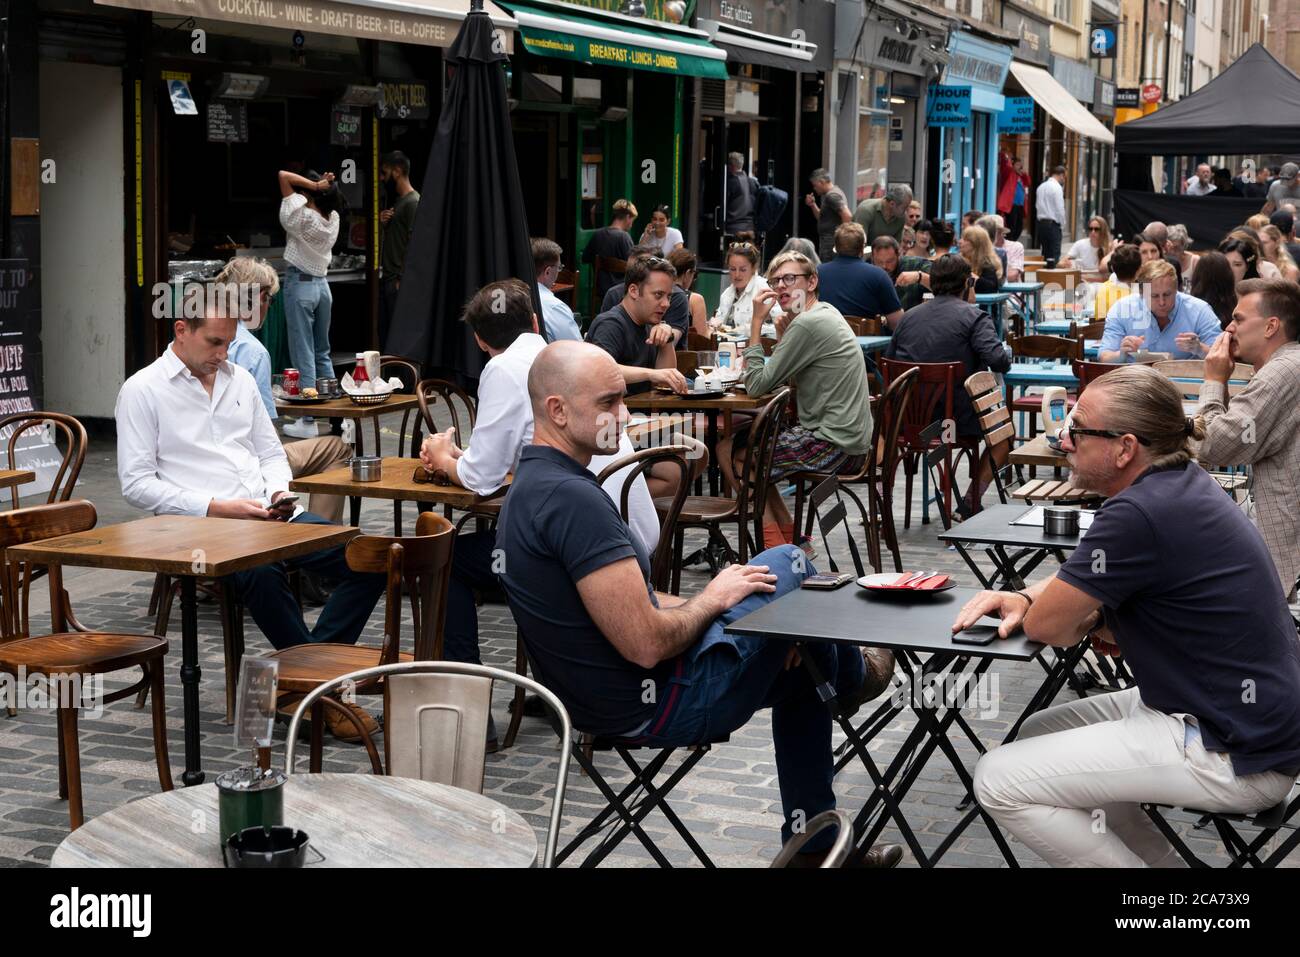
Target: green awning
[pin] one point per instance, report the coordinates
(572, 36)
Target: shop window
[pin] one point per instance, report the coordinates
(872, 173)
(1064, 10)
(592, 178)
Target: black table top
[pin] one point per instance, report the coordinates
(852, 615)
(992, 526)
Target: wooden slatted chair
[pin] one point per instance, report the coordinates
(699, 343)
(1054, 492)
(421, 563)
(66, 658)
(996, 425)
(865, 325)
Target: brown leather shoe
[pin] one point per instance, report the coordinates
(883, 856)
(879, 675)
(344, 730)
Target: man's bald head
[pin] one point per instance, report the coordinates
(576, 391)
(1157, 232)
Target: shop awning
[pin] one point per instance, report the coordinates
(1056, 99)
(763, 49)
(616, 40)
(428, 22)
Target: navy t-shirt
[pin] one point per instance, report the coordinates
(856, 288)
(617, 333)
(556, 527)
(612, 243)
(1189, 591)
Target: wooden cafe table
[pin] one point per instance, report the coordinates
(655, 401)
(9, 478)
(345, 408)
(186, 547)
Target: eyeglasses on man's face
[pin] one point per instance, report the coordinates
(1074, 430)
(789, 278)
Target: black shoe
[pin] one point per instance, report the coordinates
(314, 590)
(882, 856)
(492, 744)
(535, 707)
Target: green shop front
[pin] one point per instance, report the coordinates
(596, 102)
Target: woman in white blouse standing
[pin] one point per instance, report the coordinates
(736, 305)
(309, 213)
(659, 233)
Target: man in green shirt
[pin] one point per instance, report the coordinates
(397, 220)
(885, 216)
(817, 352)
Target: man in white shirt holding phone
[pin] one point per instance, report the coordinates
(194, 438)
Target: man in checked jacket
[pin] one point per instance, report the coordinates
(1260, 426)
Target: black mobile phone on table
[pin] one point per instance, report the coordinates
(976, 635)
(826, 582)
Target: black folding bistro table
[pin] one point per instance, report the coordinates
(991, 528)
(918, 629)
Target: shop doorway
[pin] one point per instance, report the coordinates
(536, 139)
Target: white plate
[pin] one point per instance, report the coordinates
(877, 583)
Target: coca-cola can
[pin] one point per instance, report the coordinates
(291, 382)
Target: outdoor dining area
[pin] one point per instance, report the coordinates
(213, 730)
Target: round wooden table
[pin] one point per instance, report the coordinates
(354, 820)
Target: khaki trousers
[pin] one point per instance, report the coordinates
(1069, 787)
(313, 456)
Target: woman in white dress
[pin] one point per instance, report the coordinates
(736, 305)
(659, 233)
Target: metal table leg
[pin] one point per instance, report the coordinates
(190, 673)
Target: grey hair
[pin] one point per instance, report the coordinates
(797, 244)
(1178, 234)
(899, 195)
(1142, 401)
(819, 175)
(991, 223)
(736, 160)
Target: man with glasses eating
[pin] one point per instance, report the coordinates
(1196, 610)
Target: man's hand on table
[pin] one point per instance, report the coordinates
(1010, 606)
(439, 450)
(1219, 362)
(1191, 342)
(668, 379)
(1131, 344)
(246, 508)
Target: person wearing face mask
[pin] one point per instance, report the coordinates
(397, 220)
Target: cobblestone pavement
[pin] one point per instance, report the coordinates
(730, 802)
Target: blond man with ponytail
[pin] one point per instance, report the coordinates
(1173, 574)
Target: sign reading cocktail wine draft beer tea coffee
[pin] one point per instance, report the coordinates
(20, 370)
(227, 121)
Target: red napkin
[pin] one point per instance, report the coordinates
(920, 584)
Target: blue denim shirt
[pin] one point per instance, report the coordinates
(247, 352)
(1131, 316)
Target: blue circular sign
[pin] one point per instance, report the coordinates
(1102, 42)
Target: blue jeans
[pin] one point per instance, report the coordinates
(726, 678)
(307, 305)
(266, 594)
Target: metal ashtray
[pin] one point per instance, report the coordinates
(366, 468)
(1060, 521)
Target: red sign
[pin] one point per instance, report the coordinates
(1151, 93)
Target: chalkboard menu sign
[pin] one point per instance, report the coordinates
(345, 127)
(20, 370)
(227, 121)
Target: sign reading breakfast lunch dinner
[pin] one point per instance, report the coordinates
(320, 16)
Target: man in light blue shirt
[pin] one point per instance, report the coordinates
(1159, 319)
(557, 318)
(248, 352)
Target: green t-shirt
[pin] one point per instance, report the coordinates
(397, 234)
(909, 296)
(870, 215)
(821, 356)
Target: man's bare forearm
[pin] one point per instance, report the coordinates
(681, 626)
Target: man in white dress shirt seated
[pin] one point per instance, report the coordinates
(505, 327)
(557, 317)
(193, 438)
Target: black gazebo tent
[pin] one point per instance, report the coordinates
(1251, 107)
(1248, 109)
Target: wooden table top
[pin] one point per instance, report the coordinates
(185, 545)
(395, 483)
(345, 408)
(354, 820)
(1037, 452)
(11, 477)
(732, 401)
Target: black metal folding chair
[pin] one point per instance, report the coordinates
(1243, 849)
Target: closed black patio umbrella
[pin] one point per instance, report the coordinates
(470, 228)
